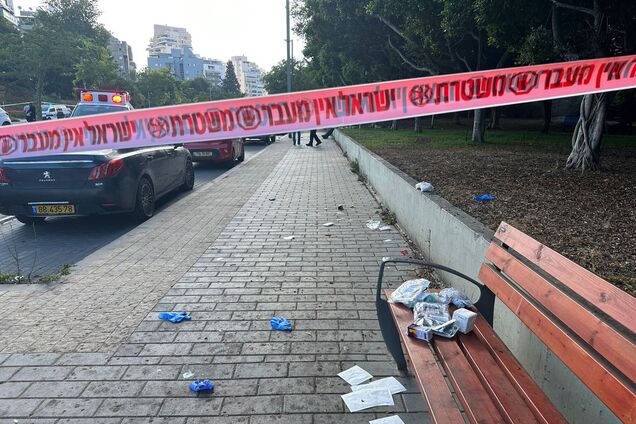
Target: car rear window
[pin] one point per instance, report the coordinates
(83, 110)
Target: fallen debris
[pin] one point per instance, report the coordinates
(289, 238)
(369, 398)
(393, 419)
(484, 198)
(355, 375)
(404, 252)
(175, 317)
(328, 224)
(341, 207)
(373, 224)
(385, 228)
(424, 186)
(201, 385)
(281, 324)
(188, 375)
(389, 383)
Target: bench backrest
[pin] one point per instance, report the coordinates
(585, 321)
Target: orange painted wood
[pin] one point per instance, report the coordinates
(535, 398)
(615, 393)
(608, 342)
(478, 405)
(608, 298)
(508, 401)
(442, 407)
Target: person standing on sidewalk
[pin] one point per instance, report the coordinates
(296, 137)
(29, 112)
(312, 136)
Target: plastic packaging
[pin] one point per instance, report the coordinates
(201, 385)
(448, 329)
(373, 224)
(429, 314)
(419, 332)
(175, 316)
(454, 296)
(465, 320)
(484, 198)
(409, 292)
(424, 186)
(281, 324)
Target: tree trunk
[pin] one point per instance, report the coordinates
(479, 126)
(495, 115)
(432, 122)
(547, 116)
(39, 89)
(417, 125)
(588, 133)
(394, 125)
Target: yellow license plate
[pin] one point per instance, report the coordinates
(53, 209)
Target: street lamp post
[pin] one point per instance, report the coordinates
(288, 50)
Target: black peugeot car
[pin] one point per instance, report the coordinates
(89, 183)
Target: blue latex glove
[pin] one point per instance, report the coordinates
(281, 324)
(484, 197)
(201, 385)
(175, 316)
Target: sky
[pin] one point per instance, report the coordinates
(219, 28)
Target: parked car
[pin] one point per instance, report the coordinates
(265, 139)
(97, 182)
(4, 117)
(230, 151)
(55, 112)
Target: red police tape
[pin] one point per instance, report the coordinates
(331, 107)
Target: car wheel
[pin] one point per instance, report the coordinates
(242, 157)
(30, 220)
(6, 123)
(188, 182)
(231, 163)
(145, 204)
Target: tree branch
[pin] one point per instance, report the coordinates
(408, 62)
(394, 28)
(572, 7)
(465, 62)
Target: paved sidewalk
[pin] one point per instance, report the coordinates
(233, 281)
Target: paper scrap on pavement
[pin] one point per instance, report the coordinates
(389, 383)
(393, 419)
(355, 375)
(328, 224)
(388, 241)
(289, 238)
(364, 399)
(385, 228)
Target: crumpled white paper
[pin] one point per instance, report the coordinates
(355, 375)
(393, 419)
(364, 399)
(389, 383)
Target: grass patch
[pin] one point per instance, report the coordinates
(522, 134)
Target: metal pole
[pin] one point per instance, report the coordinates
(289, 87)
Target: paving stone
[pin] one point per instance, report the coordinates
(279, 386)
(282, 419)
(83, 359)
(131, 407)
(92, 420)
(247, 405)
(54, 389)
(314, 369)
(31, 359)
(261, 370)
(318, 403)
(41, 373)
(10, 390)
(93, 373)
(220, 420)
(152, 372)
(191, 406)
(67, 408)
(18, 407)
(154, 420)
(112, 389)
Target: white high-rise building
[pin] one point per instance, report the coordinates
(250, 76)
(7, 12)
(214, 71)
(167, 38)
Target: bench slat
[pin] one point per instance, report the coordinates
(618, 397)
(608, 298)
(478, 405)
(608, 342)
(535, 398)
(507, 400)
(441, 405)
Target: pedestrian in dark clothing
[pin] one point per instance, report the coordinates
(296, 137)
(29, 112)
(328, 133)
(313, 136)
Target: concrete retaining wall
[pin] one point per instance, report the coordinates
(449, 236)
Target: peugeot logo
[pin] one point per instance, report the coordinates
(46, 175)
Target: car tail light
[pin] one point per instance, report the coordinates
(106, 170)
(4, 177)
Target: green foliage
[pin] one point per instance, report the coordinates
(303, 78)
(158, 87)
(97, 68)
(230, 82)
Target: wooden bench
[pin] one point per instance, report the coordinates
(585, 321)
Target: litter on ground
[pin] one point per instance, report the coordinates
(328, 224)
(289, 238)
(201, 385)
(175, 317)
(355, 375)
(385, 228)
(369, 398)
(389, 383)
(393, 419)
(424, 186)
(484, 198)
(281, 324)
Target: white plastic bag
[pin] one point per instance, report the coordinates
(424, 186)
(409, 292)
